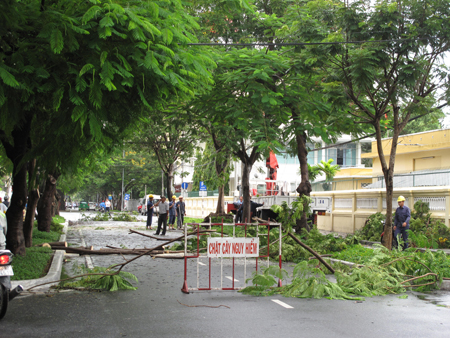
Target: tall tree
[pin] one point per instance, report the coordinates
(93, 63)
(166, 134)
(399, 71)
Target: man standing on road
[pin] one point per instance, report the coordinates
(401, 221)
(149, 212)
(163, 212)
(180, 212)
(172, 213)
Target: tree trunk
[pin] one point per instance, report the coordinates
(33, 198)
(57, 203)
(304, 188)
(246, 191)
(221, 201)
(169, 177)
(46, 202)
(15, 240)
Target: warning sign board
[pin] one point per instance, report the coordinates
(233, 247)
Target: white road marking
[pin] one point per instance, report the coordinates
(201, 263)
(279, 302)
(231, 278)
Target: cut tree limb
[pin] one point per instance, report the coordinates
(311, 251)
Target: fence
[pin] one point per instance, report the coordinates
(436, 178)
(350, 209)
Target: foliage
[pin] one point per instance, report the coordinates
(373, 227)
(99, 217)
(289, 216)
(205, 168)
(355, 253)
(384, 273)
(114, 282)
(124, 218)
(424, 231)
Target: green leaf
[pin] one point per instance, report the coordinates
(95, 127)
(8, 78)
(56, 41)
(57, 97)
(167, 36)
(86, 68)
(103, 57)
(90, 14)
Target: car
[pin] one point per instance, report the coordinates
(92, 205)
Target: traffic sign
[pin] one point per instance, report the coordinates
(202, 186)
(110, 197)
(184, 185)
(127, 197)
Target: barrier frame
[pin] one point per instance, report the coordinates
(187, 290)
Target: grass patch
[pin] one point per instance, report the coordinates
(99, 228)
(192, 220)
(58, 219)
(34, 263)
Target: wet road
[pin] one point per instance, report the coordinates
(154, 310)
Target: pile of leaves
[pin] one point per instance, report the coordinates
(100, 278)
(385, 273)
(123, 217)
(323, 244)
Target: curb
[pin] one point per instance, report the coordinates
(54, 273)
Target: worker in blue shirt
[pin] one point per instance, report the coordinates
(401, 221)
(149, 212)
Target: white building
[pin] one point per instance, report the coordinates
(346, 155)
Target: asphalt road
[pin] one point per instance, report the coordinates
(154, 310)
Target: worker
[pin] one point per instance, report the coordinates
(163, 212)
(239, 208)
(172, 212)
(180, 212)
(149, 212)
(401, 221)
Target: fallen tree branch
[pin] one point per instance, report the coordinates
(215, 307)
(311, 251)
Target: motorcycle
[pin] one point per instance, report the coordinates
(6, 271)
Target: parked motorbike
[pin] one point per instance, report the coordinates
(6, 271)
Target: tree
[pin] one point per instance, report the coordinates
(168, 136)
(213, 167)
(399, 72)
(87, 68)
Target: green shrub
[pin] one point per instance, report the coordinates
(124, 218)
(372, 229)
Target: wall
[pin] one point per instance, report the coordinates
(350, 209)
